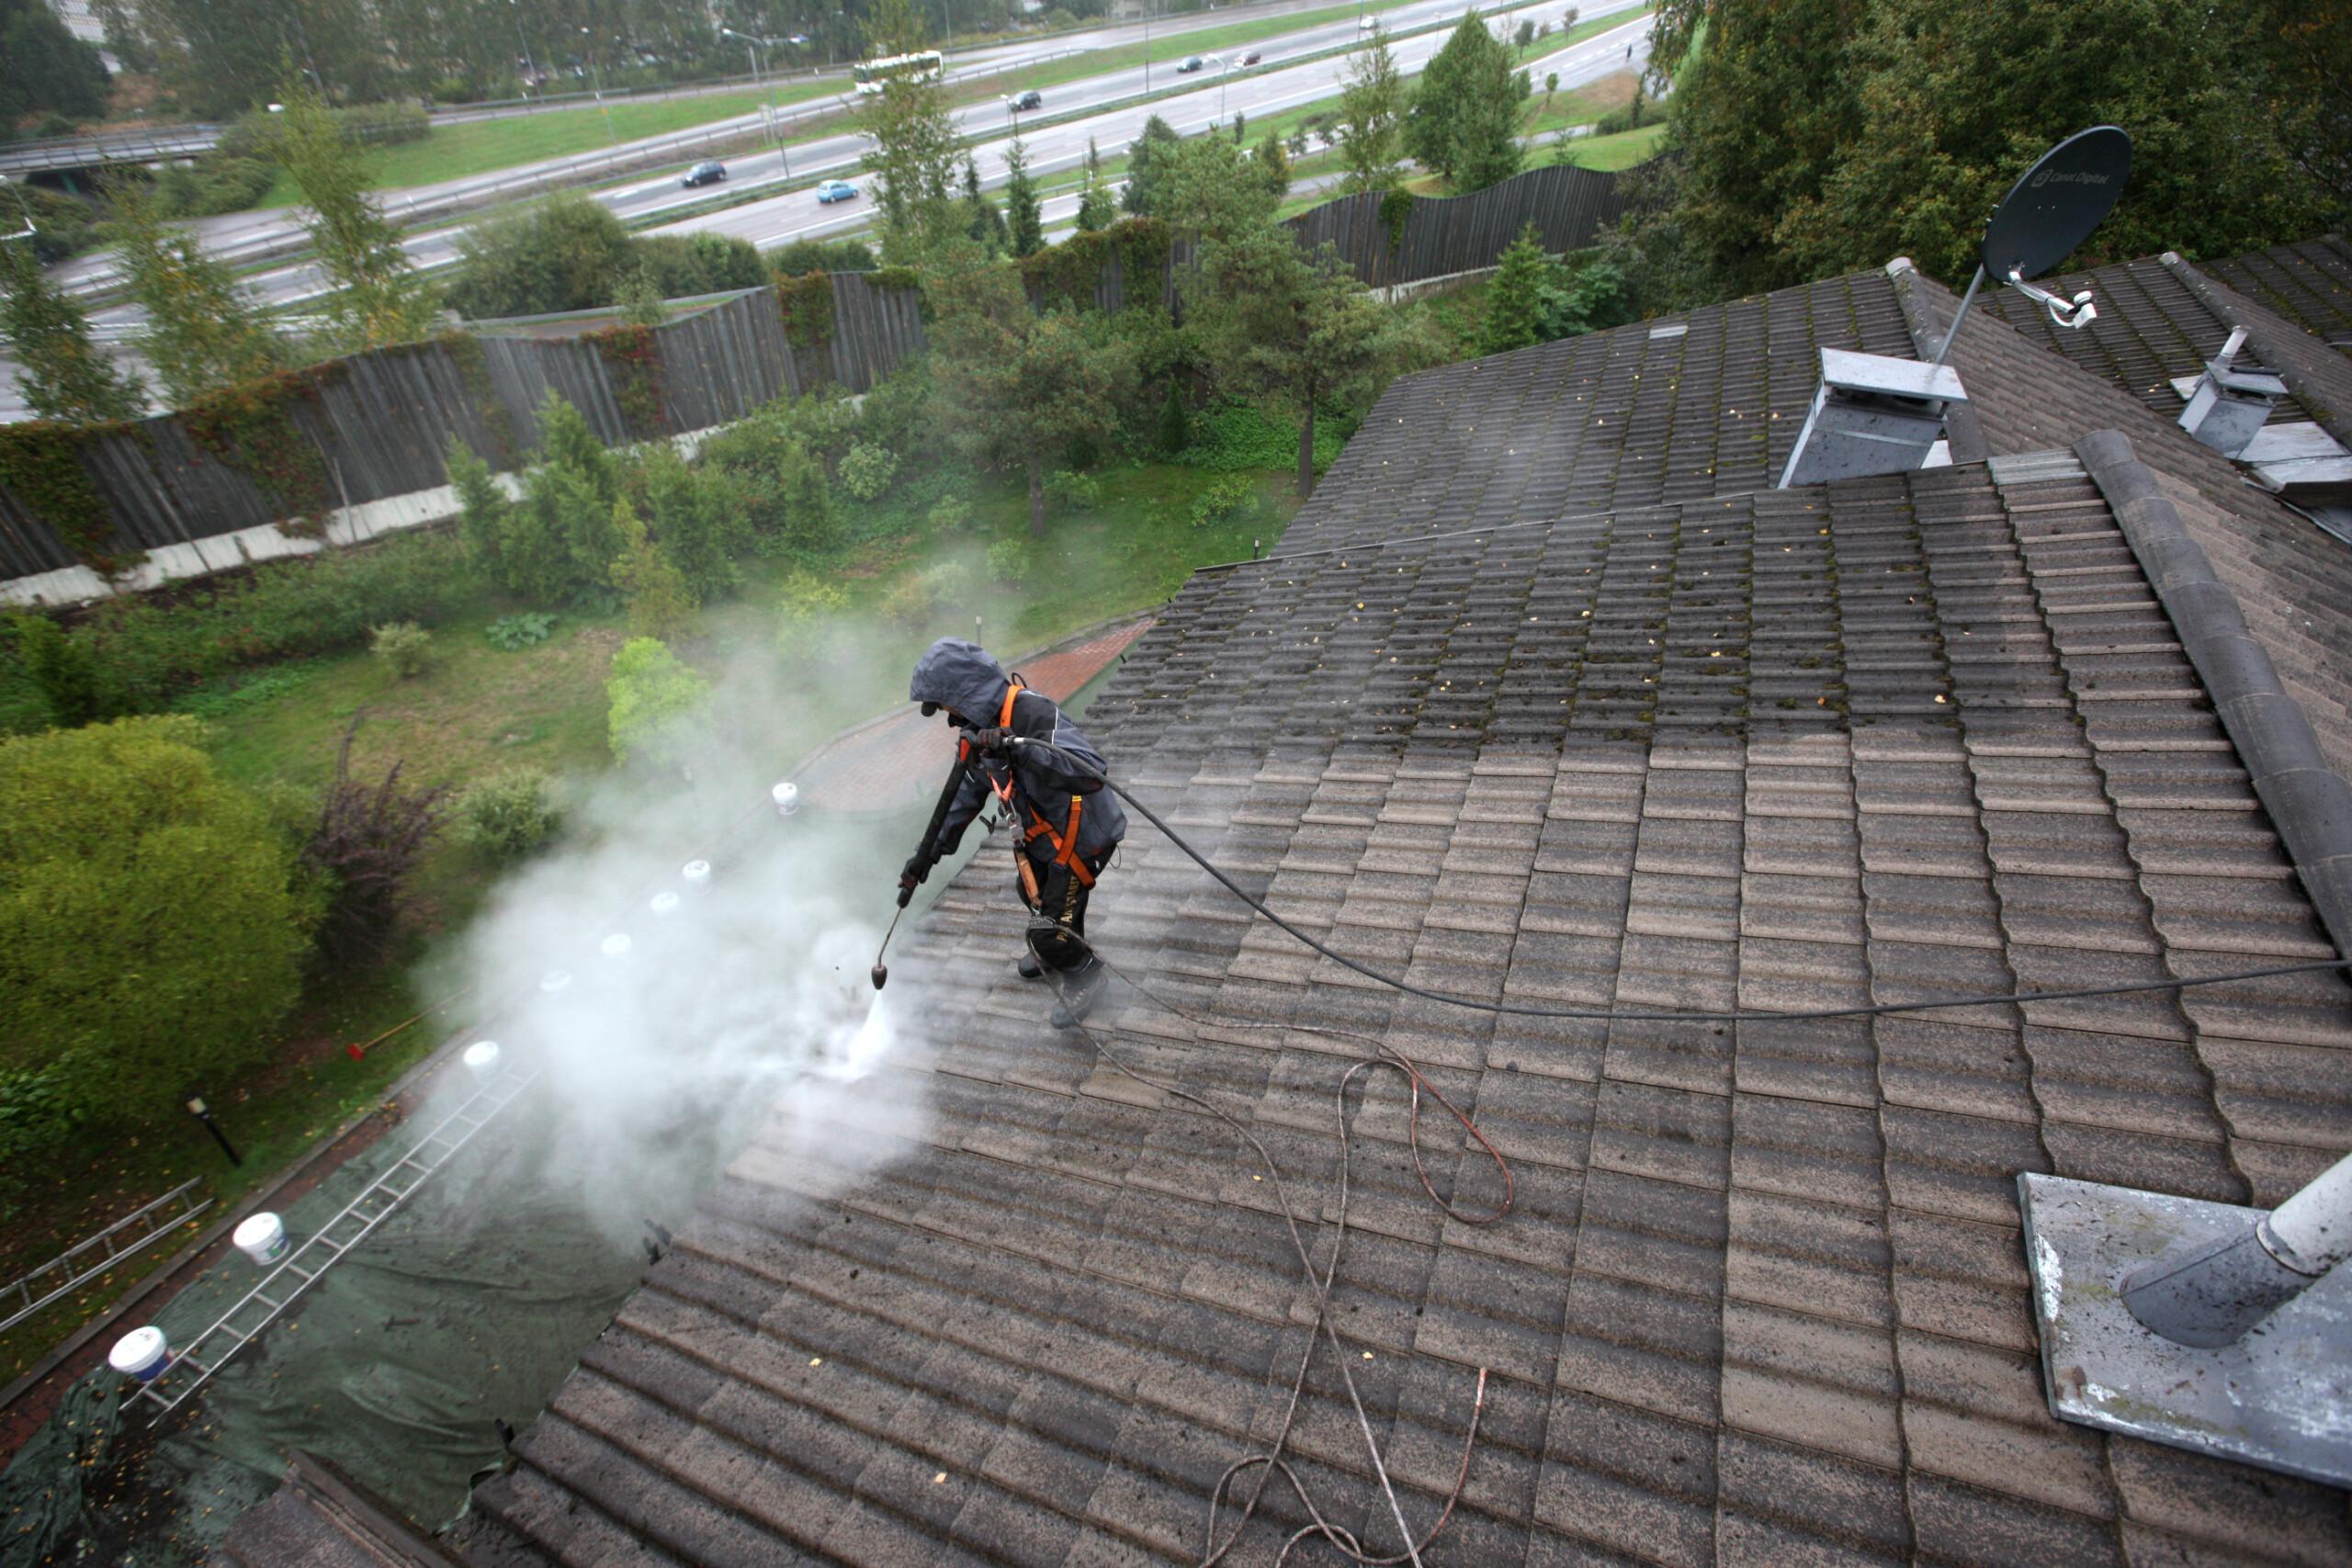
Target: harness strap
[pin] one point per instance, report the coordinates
(1065, 849)
(1004, 721)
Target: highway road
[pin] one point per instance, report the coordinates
(1052, 148)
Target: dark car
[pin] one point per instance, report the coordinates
(1190, 65)
(1032, 99)
(1248, 59)
(708, 173)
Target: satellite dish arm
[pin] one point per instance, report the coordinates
(2077, 312)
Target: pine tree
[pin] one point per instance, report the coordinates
(1096, 208)
(1025, 216)
(1372, 114)
(64, 375)
(202, 333)
(1147, 157)
(1464, 120)
(1515, 298)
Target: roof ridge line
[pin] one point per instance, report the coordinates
(2309, 804)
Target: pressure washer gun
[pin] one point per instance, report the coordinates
(920, 868)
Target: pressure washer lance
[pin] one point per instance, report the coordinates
(882, 970)
(930, 836)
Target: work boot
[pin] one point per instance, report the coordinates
(1080, 989)
(1028, 967)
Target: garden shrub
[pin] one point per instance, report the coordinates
(366, 844)
(698, 516)
(1175, 428)
(684, 264)
(521, 630)
(63, 671)
(154, 931)
(868, 471)
(508, 815)
(1234, 436)
(950, 515)
(567, 253)
(802, 257)
(658, 704)
(1008, 560)
(806, 604)
(404, 648)
(1230, 498)
(559, 543)
(482, 507)
(1070, 492)
(922, 595)
(659, 602)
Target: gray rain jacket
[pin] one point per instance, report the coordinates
(961, 677)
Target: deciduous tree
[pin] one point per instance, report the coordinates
(915, 145)
(659, 705)
(151, 931)
(659, 602)
(201, 332)
(377, 298)
(63, 373)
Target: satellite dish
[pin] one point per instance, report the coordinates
(2051, 209)
(2056, 203)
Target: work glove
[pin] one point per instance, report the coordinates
(992, 742)
(911, 877)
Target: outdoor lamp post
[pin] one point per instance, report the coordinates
(530, 68)
(596, 84)
(195, 1109)
(1219, 60)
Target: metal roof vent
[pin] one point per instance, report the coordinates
(1871, 414)
(2229, 406)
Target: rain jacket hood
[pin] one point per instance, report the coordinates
(962, 677)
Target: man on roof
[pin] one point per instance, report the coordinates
(1019, 745)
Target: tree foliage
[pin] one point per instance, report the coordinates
(1024, 213)
(151, 931)
(201, 333)
(61, 372)
(916, 146)
(49, 69)
(1149, 156)
(659, 602)
(1534, 299)
(1824, 135)
(1371, 117)
(1014, 387)
(364, 848)
(658, 704)
(1464, 119)
(377, 297)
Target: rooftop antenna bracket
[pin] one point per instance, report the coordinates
(2071, 314)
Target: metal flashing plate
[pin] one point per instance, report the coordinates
(1887, 376)
(2280, 1398)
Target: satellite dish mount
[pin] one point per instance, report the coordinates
(2051, 209)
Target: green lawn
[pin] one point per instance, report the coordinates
(1622, 151)
(477, 708)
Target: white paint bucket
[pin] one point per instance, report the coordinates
(143, 1353)
(262, 1237)
(697, 874)
(482, 1058)
(787, 797)
(664, 905)
(615, 946)
(555, 981)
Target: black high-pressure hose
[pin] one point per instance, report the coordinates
(1684, 1015)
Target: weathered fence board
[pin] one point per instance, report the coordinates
(382, 421)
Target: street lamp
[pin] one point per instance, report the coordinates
(1219, 60)
(531, 69)
(596, 82)
(1012, 112)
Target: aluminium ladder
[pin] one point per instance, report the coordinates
(85, 1261)
(357, 1220)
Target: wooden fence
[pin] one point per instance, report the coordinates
(1447, 234)
(379, 423)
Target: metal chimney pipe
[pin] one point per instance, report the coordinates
(2214, 1294)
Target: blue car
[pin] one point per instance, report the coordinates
(836, 190)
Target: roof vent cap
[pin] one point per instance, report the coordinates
(1872, 413)
(2229, 405)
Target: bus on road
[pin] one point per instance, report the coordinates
(927, 66)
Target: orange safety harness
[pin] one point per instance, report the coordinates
(1065, 849)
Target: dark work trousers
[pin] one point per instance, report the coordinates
(1061, 899)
